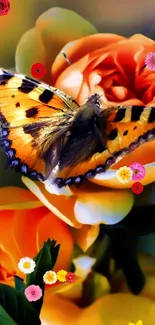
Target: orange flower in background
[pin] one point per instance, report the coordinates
(26, 222)
(24, 226)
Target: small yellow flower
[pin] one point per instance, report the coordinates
(50, 277)
(124, 175)
(138, 323)
(61, 275)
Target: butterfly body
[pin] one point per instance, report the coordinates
(46, 135)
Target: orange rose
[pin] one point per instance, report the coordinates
(107, 64)
(25, 224)
(110, 65)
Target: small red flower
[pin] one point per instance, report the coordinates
(70, 277)
(137, 188)
(38, 70)
(4, 7)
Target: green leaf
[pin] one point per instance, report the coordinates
(17, 306)
(19, 284)
(45, 261)
(5, 319)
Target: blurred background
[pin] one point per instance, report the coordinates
(120, 17)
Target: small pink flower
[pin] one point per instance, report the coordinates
(138, 171)
(150, 61)
(33, 292)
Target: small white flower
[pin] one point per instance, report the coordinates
(26, 265)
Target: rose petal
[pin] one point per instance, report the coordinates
(17, 198)
(8, 242)
(95, 205)
(52, 227)
(28, 47)
(85, 236)
(54, 28)
(139, 38)
(78, 49)
(61, 206)
(71, 82)
(54, 308)
(27, 220)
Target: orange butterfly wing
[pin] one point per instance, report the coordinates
(27, 105)
(126, 129)
(25, 102)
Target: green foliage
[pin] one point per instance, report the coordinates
(15, 309)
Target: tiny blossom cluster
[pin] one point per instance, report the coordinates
(134, 172)
(34, 292)
(51, 277)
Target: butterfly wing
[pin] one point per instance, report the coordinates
(128, 128)
(33, 117)
(125, 129)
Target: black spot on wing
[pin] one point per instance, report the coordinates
(18, 104)
(136, 113)
(31, 112)
(26, 86)
(151, 118)
(120, 115)
(46, 96)
(113, 134)
(125, 132)
(33, 81)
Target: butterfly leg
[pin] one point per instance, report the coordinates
(66, 58)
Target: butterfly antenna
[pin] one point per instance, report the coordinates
(66, 57)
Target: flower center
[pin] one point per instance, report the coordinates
(26, 265)
(33, 292)
(136, 171)
(2, 6)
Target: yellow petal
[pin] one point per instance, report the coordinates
(97, 205)
(101, 286)
(61, 206)
(57, 310)
(59, 26)
(148, 290)
(142, 39)
(15, 198)
(90, 205)
(30, 50)
(115, 309)
(54, 28)
(85, 236)
(66, 288)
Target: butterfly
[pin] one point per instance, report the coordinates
(47, 136)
